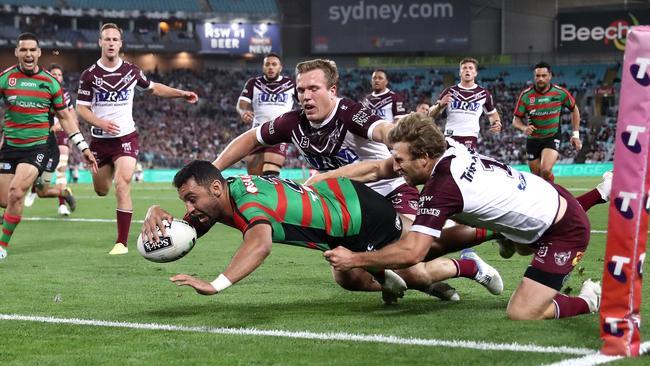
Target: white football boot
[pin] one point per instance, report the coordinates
(63, 210)
(591, 292)
(30, 198)
(3, 252)
(486, 275)
(393, 287)
(605, 187)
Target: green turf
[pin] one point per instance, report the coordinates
(61, 269)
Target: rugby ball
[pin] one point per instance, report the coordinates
(180, 239)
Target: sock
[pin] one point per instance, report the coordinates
(590, 199)
(465, 268)
(33, 188)
(61, 200)
(123, 225)
(9, 223)
(483, 235)
(566, 306)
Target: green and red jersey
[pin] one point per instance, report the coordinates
(29, 100)
(543, 109)
(307, 216)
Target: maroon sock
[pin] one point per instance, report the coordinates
(590, 199)
(61, 201)
(123, 225)
(566, 306)
(465, 268)
(33, 188)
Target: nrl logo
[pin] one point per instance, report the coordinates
(532, 99)
(12, 81)
(99, 81)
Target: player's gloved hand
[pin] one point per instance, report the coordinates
(200, 286)
(154, 221)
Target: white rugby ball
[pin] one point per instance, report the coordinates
(180, 239)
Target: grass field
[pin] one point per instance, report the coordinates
(65, 301)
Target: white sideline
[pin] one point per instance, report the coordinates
(375, 338)
(597, 359)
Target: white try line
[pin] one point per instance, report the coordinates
(350, 337)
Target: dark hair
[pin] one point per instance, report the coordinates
(468, 60)
(27, 36)
(273, 54)
(544, 65)
(381, 70)
(56, 66)
(422, 135)
(203, 172)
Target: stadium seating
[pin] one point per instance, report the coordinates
(145, 5)
(244, 6)
(43, 3)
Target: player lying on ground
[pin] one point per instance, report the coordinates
(477, 190)
(337, 212)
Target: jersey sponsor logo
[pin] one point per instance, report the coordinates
(127, 78)
(428, 211)
(28, 84)
(464, 106)
(29, 104)
(468, 174)
(380, 112)
(522, 183)
(126, 146)
(561, 258)
(249, 184)
(360, 118)
(113, 96)
(12, 81)
(273, 97)
(424, 199)
(83, 92)
(343, 157)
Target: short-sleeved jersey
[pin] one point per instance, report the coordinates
(269, 99)
(543, 109)
(109, 93)
(29, 100)
(480, 191)
(68, 104)
(315, 216)
(465, 109)
(343, 138)
(387, 105)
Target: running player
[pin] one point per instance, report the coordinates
(384, 102)
(263, 99)
(105, 100)
(464, 104)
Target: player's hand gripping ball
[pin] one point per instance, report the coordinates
(180, 239)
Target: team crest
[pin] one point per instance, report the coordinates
(532, 99)
(12, 81)
(561, 258)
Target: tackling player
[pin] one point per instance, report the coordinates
(323, 216)
(105, 100)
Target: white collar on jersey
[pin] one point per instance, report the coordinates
(267, 79)
(109, 69)
(382, 93)
(329, 118)
(471, 87)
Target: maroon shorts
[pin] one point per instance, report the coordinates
(470, 142)
(564, 243)
(280, 149)
(405, 199)
(106, 151)
(61, 138)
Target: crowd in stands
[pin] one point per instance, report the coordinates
(173, 133)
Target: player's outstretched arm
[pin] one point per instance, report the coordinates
(249, 256)
(153, 221)
(237, 149)
(403, 253)
(363, 171)
(165, 91)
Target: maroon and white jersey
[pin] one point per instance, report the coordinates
(109, 93)
(387, 105)
(269, 99)
(343, 138)
(465, 109)
(482, 192)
